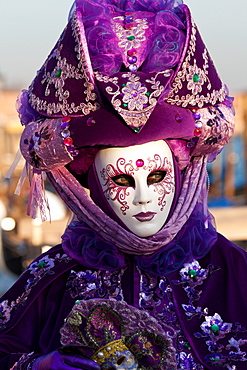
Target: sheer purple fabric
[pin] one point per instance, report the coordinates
(164, 47)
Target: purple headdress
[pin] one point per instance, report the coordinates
(125, 73)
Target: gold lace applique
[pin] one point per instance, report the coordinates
(133, 99)
(129, 39)
(196, 78)
(60, 74)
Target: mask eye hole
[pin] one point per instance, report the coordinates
(156, 177)
(124, 180)
(120, 360)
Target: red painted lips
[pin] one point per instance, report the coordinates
(144, 216)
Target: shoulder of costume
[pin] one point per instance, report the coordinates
(41, 273)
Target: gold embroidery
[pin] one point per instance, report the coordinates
(195, 77)
(60, 74)
(129, 39)
(134, 96)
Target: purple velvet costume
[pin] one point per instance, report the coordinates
(202, 302)
(90, 94)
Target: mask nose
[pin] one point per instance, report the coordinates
(142, 193)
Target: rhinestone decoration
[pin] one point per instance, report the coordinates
(67, 140)
(198, 129)
(128, 25)
(140, 162)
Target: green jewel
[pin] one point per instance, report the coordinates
(58, 73)
(125, 105)
(148, 93)
(215, 328)
(123, 85)
(196, 77)
(192, 273)
(42, 264)
(1, 313)
(216, 359)
(187, 345)
(77, 301)
(136, 130)
(131, 38)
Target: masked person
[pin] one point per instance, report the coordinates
(129, 105)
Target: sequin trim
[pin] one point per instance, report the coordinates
(95, 284)
(213, 328)
(196, 78)
(38, 269)
(156, 298)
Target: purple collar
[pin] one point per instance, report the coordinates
(193, 241)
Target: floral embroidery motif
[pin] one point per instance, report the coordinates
(129, 39)
(144, 96)
(38, 269)
(156, 298)
(57, 77)
(187, 362)
(213, 328)
(135, 95)
(98, 284)
(196, 78)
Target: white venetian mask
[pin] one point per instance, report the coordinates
(138, 183)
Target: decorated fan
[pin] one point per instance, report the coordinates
(117, 336)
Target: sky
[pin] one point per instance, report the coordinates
(30, 28)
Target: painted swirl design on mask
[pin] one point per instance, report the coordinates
(167, 185)
(120, 193)
(113, 191)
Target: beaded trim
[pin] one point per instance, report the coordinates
(130, 36)
(68, 141)
(196, 77)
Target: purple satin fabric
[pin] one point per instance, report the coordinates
(193, 242)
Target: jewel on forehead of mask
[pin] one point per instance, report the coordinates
(140, 162)
(179, 118)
